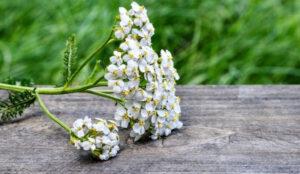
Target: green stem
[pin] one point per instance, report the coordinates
(50, 91)
(88, 59)
(55, 91)
(14, 87)
(96, 70)
(102, 84)
(51, 116)
(64, 90)
(104, 91)
(106, 95)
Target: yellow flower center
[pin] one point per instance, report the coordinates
(115, 72)
(156, 102)
(126, 116)
(125, 92)
(141, 122)
(160, 125)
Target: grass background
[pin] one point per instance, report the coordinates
(213, 41)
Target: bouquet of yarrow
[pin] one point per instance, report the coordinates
(140, 81)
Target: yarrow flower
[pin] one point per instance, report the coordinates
(142, 81)
(145, 79)
(100, 137)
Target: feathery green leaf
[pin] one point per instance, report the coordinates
(70, 56)
(15, 104)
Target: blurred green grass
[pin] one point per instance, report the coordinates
(213, 42)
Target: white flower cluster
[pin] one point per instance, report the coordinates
(144, 79)
(101, 137)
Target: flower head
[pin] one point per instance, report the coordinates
(145, 79)
(100, 137)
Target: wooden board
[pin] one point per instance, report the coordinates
(227, 129)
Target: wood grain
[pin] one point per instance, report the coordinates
(227, 129)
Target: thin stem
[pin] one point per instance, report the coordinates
(102, 83)
(97, 82)
(55, 91)
(49, 91)
(104, 91)
(50, 115)
(88, 59)
(14, 87)
(95, 71)
(106, 95)
(64, 90)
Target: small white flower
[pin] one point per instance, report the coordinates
(162, 113)
(149, 27)
(145, 114)
(177, 124)
(133, 109)
(167, 131)
(132, 69)
(140, 95)
(104, 155)
(124, 46)
(150, 55)
(132, 44)
(116, 58)
(80, 133)
(78, 124)
(136, 7)
(154, 136)
(86, 145)
(114, 151)
(106, 140)
(117, 85)
(139, 128)
(150, 106)
(119, 34)
(87, 122)
(122, 10)
(134, 54)
(143, 66)
(113, 138)
(122, 117)
(125, 20)
(114, 72)
(101, 127)
(77, 144)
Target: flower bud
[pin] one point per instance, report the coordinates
(99, 137)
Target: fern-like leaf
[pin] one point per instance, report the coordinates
(15, 105)
(70, 56)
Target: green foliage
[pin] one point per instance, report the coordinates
(15, 105)
(70, 56)
(97, 72)
(19, 81)
(213, 42)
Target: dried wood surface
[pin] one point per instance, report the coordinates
(227, 129)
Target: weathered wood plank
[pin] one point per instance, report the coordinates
(227, 129)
